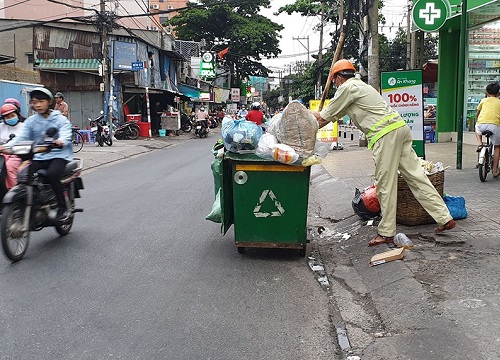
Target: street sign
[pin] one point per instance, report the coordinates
(403, 91)
(430, 15)
(137, 65)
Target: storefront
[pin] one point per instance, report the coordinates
(482, 63)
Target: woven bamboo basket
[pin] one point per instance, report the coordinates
(409, 211)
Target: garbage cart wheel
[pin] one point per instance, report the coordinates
(241, 249)
(302, 252)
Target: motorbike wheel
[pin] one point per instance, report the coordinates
(108, 141)
(99, 139)
(64, 229)
(15, 239)
(186, 127)
(133, 132)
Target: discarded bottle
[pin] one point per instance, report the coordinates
(402, 240)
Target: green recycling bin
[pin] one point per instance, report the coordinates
(266, 201)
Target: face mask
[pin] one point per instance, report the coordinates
(12, 122)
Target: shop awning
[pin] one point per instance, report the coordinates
(86, 65)
(430, 72)
(142, 90)
(189, 91)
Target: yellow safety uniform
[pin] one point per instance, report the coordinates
(391, 141)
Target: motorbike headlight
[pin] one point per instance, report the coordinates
(21, 149)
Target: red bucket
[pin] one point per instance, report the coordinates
(144, 128)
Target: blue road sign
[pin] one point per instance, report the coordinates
(138, 65)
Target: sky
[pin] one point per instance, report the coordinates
(297, 26)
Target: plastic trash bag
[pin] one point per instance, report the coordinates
(216, 212)
(240, 136)
(269, 148)
(456, 206)
(360, 208)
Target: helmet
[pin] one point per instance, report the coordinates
(7, 109)
(202, 108)
(41, 93)
(256, 105)
(13, 102)
(343, 67)
(59, 95)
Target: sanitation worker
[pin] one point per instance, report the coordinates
(390, 139)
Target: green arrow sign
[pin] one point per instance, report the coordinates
(430, 15)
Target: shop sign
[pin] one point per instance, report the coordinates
(330, 132)
(403, 91)
(207, 66)
(235, 94)
(430, 15)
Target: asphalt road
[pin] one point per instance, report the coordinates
(142, 275)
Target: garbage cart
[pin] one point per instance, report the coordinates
(266, 201)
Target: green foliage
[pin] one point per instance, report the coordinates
(236, 24)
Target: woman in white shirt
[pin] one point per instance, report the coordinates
(11, 125)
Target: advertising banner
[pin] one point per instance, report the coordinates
(403, 91)
(235, 94)
(329, 133)
(124, 54)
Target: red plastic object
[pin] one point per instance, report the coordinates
(144, 128)
(134, 117)
(370, 199)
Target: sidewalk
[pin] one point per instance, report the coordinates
(94, 156)
(441, 300)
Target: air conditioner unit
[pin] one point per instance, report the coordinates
(170, 7)
(153, 28)
(155, 7)
(168, 29)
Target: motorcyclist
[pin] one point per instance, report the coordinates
(55, 161)
(202, 116)
(255, 115)
(11, 125)
(18, 106)
(243, 112)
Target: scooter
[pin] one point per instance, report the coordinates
(102, 135)
(201, 128)
(31, 205)
(186, 124)
(128, 130)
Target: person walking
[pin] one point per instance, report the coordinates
(61, 105)
(488, 118)
(391, 141)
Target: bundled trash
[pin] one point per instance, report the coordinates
(430, 168)
(297, 128)
(240, 136)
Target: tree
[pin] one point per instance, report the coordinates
(235, 24)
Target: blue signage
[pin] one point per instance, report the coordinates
(124, 54)
(137, 65)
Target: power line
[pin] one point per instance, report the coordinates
(19, 3)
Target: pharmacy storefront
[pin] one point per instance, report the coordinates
(482, 62)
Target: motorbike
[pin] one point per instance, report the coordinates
(201, 128)
(127, 131)
(212, 122)
(186, 124)
(102, 135)
(31, 205)
(3, 171)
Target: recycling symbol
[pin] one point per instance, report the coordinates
(265, 194)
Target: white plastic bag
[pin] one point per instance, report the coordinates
(265, 147)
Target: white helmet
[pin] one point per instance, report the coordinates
(202, 108)
(256, 105)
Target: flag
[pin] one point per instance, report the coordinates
(223, 52)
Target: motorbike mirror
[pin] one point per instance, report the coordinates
(12, 136)
(51, 132)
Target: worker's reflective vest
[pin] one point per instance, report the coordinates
(382, 127)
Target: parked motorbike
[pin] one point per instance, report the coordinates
(102, 135)
(186, 124)
(31, 205)
(201, 128)
(127, 131)
(212, 122)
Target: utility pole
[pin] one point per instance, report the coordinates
(408, 37)
(373, 49)
(320, 52)
(306, 47)
(103, 27)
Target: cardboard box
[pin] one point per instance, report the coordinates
(391, 255)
